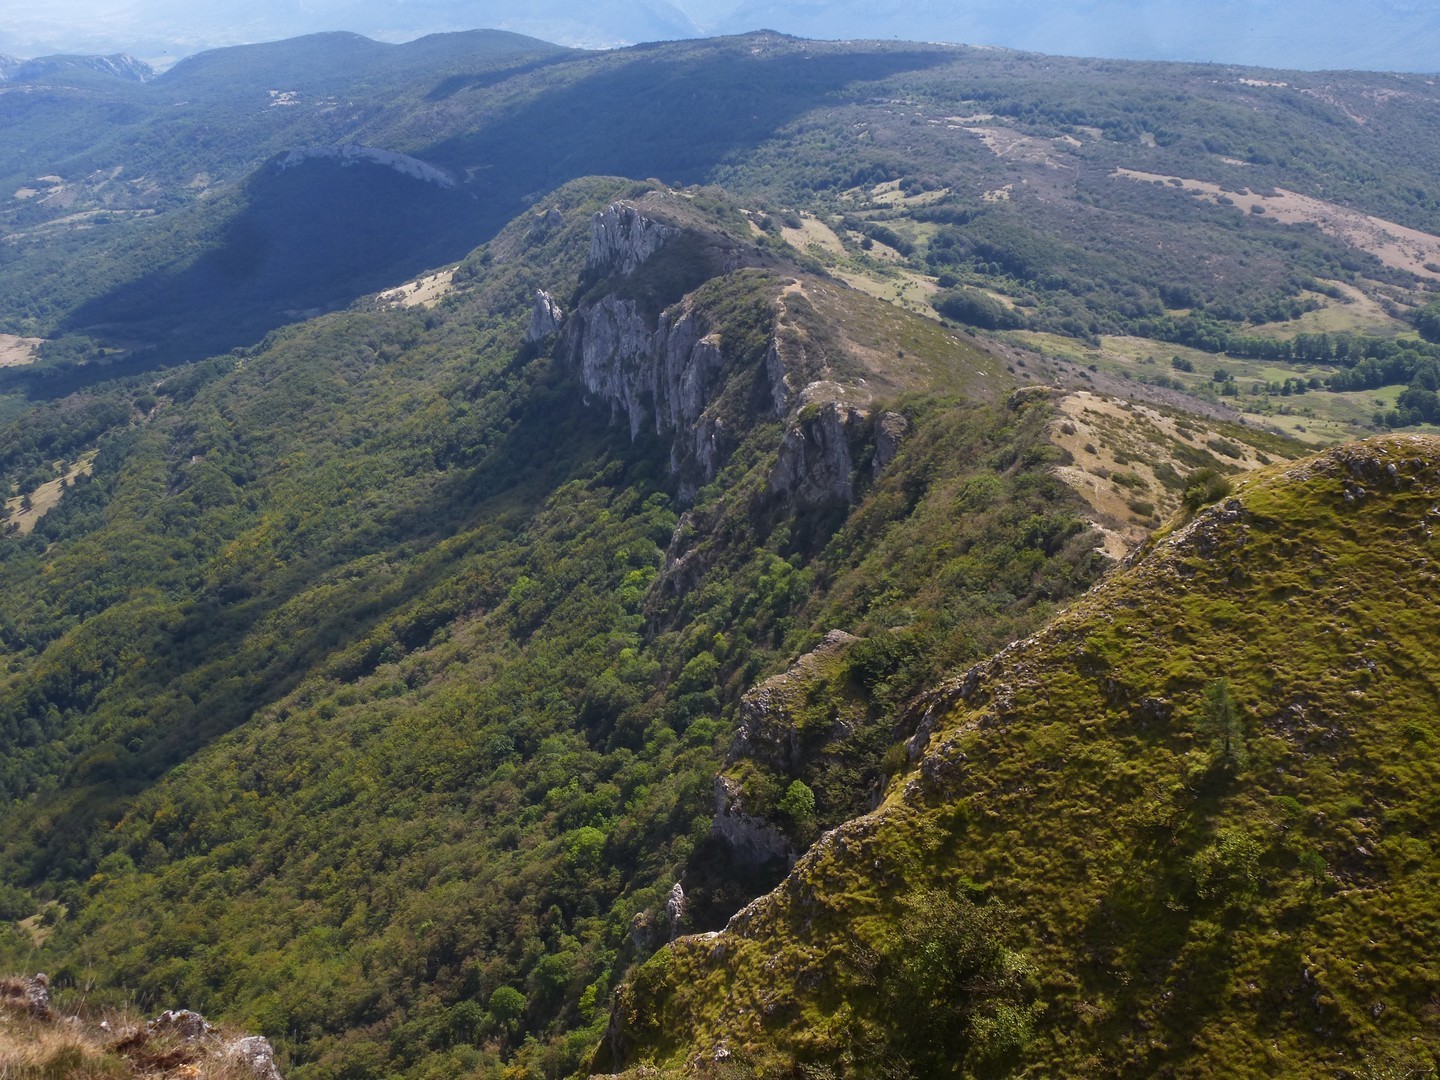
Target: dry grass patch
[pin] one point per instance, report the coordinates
(1393, 244)
(1357, 313)
(815, 237)
(1127, 458)
(423, 292)
(44, 498)
(81, 1044)
(18, 351)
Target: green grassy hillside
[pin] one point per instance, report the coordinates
(1184, 830)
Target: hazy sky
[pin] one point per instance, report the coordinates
(1384, 34)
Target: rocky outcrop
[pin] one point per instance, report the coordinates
(545, 317)
(675, 909)
(351, 154)
(181, 1022)
(178, 1042)
(767, 731)
(663, 378)
(890, 429)
(752, 840)
(254, 1056)
(816, 466)
(622, 237)
(119, 65)
(36, 991)
(666, 372)
(772, 735)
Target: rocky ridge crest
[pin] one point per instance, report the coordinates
(668, 372)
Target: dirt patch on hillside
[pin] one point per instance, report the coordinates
(423, 292)
(814, 233)
(1128, 461)
(1013, 146)
(44, 498)
(1393, 244)
(19, 351)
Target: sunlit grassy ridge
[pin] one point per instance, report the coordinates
(1186, 829)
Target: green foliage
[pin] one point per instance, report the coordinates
(1220, 721)
(798, 803)
(507, 1005)
(1427, 321)
(1227, 870)
(974, 308)
(1174, 915)
(1205, 486)
(949, 964)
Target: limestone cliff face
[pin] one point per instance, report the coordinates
(666, 373)
(663, 377)
(621, 238)
(753, 840)
(816, 466)
(775, 735)
(545, 318)
(348, 154)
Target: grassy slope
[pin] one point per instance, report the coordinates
(1170, 909)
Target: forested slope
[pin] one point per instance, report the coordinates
(370, 694)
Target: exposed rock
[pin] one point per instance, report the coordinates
(545, 316)
(621, 238)
(816, 466)
(642, 932)
(684, 564)
(775, 735)
(778, 374)
(890, 429)
(256, 1056)
(766, 731)
(665, 377)
(753, 840)
(675, 909)
(120, 65)
(349, 154)
(37, 997)
(667, 372)
(182, 1022)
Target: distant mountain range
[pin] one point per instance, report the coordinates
(1386, 35)
(14, 69)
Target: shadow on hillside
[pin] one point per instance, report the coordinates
(313, 238)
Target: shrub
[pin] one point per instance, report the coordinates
(974, 308)
(1205, 486)
(798, 802)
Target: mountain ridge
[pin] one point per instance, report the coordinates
(1255, 888)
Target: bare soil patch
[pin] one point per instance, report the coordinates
(1013, 146)
(423, 292)
(19, 351)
